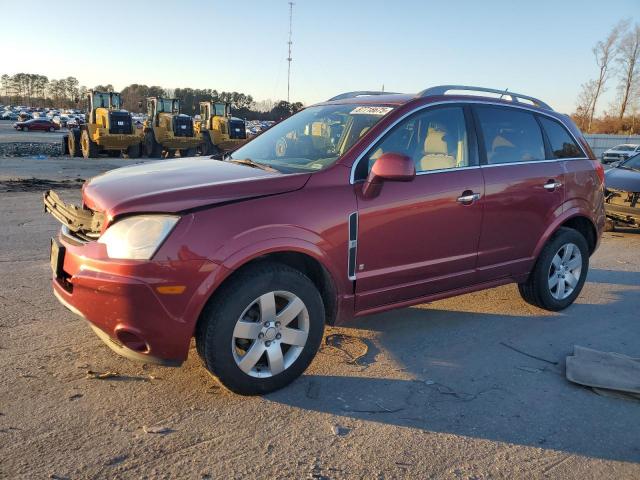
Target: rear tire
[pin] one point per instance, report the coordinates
(188, 152)
(152, 148)
(73, 143)
(240, 320)
(89, 147)
(134, 151)
(553, 272)
(51, 129)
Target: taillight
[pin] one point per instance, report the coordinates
(599, 170)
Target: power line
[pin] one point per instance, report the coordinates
(289, 57)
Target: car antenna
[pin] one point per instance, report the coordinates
(504, 93)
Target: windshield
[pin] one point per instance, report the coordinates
(105, 99)
(168, 105)
(633, 162)
(312, 139)
(625, 148)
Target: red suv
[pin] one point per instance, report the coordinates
(364, 203)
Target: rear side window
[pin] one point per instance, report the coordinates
(510, 135)
(562, 145)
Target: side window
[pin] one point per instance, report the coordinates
(435, 139)
(562, 145)
(510, 135)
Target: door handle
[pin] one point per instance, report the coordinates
(551, 185)
(468, 198)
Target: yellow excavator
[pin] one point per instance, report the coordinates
(166, 130)
(220, 132)
(108, 129)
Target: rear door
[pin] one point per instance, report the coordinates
(421, 237)
(524, 189)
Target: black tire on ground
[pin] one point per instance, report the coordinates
(536, 290)
(214, 332)
(25, 129)
(51, 129)
(90, 149)
(134, 151)
(73, 143)
(188, 152)
(113, 153)
(152, 148)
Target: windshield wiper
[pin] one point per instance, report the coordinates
(251, 163)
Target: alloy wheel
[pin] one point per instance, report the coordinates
(270, 334)
(565, 271)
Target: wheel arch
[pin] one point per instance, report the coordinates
(575, 219)
(307, 259)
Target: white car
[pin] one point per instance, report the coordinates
(620, 152)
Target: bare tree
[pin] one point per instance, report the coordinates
(585, 106)
(605, 52)
(628, 57)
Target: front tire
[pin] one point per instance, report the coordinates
(262, 329)
(559, 273)
(89, 147)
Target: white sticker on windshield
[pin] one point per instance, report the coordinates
(371, 110)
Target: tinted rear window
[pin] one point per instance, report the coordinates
(562, 144)
(510, 135)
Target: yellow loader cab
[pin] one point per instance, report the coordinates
(220, 131)
(108, 129)
(167, 130)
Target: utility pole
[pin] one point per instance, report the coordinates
(289, 57)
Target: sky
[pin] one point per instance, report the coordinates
(540, 48)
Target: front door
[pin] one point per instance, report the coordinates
(421, 237)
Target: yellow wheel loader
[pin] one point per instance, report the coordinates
(108, 129)
(166, 130)
(219, 130)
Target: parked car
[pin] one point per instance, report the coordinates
(620, 152)
(24, 116)
(357, 205)
(622, 192)
(9, 116)
(37, 124)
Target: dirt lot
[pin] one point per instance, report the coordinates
(443, 390)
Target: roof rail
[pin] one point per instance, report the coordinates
(515, 97)
(361, 93)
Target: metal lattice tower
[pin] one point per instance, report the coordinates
(289, 57)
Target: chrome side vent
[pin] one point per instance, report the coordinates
(353, 245)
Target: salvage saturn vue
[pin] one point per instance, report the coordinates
(364, 203)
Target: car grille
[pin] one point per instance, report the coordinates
(120, 123)
(182, 126)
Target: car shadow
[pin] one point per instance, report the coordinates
(457, 367)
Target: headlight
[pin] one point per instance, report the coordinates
(138, 237)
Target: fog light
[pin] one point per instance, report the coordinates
(132, 340)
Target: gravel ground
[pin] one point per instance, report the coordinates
(442, 390)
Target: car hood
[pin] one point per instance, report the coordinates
(621, 179)
(177, 185)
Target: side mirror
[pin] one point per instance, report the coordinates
(389, 167)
